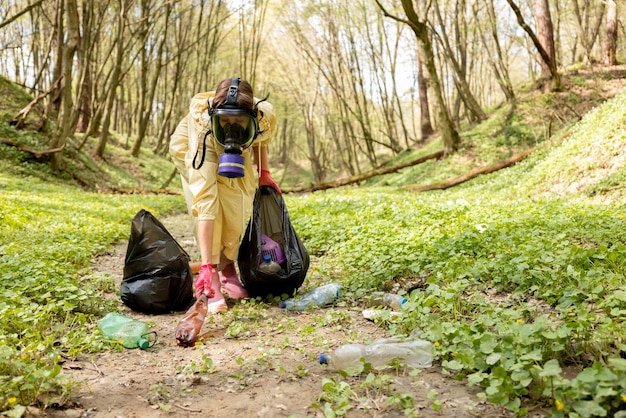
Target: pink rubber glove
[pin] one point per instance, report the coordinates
(203, 284)
(266, 180)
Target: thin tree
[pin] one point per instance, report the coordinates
(150, 68)
(182, 33)
(545, 34)
(251, 25)
(64, 125)
(449, 134)
(497, 60)
(115, 78)
(588, 32)
(92, 23)
(458, 65)
(544, 22)
(610, 34)
(426, 127)
(19, 14)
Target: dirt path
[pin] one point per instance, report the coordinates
(254, 363)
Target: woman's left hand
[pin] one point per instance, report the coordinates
(265, 179)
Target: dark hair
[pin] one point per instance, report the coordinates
(245, 98)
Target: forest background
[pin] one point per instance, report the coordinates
(352, 87)
(361, 88)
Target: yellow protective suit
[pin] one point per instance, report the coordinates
(226, 201)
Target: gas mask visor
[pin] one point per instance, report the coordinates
(234, 129)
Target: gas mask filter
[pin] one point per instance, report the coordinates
(235, 129)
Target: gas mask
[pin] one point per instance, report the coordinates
(235, 129)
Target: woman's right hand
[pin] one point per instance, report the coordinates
(203, 284)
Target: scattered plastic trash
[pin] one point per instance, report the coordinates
(390, 300)
(373, 314)
(319, 296)
(268, 265)
(189, 327)
(129, 332)
(383, 352)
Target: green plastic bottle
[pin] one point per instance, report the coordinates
(130, 332)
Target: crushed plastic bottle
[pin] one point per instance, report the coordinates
(129, 332)
(381, 314)
(189, 327)
(268, 265)
(414, 353)
(390, 300)
(319, 296)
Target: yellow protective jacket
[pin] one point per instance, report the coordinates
(226, 201)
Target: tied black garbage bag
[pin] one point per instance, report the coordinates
(157, 277)
(270, 219)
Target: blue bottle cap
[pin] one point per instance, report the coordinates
(267, 258)
(282, 304)
(323, 358)
(403, 300)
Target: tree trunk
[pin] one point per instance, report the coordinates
(497, 62)
(449, 134)
(85, 56)
(164, 130)
(478, 171)
(59, 32)
(115, 80)
(587, 34)
(251, 22)
(367, 175)
(64, 125)
(610, 42)
(458, 68)
(545, 33)
(547, 56)
(20, 13)
(426, 127)
(154, 68)
(316, 165)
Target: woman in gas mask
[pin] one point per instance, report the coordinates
(213, 148)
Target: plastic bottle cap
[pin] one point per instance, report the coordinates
(282, 304)
(403, 300)
(143, 343)
(323, 358)
(267, 258)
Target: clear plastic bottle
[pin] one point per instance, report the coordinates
(390, 300)
(413, 353)
(189, 326)
(319, 296)
(129, 332)
(268, 265)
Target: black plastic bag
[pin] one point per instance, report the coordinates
(270, 218)
(157, 276)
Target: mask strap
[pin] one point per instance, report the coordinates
(258, 159)
(233, 92)
(194, 164)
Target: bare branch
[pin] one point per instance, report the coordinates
(20, 14)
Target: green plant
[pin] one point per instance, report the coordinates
(336, 398)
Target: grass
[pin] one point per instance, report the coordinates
(523, 270)
(48, 300)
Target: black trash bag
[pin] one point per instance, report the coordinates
(157, 276)
(271, 219)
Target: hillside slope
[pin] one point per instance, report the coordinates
(574, 123)
(587, 160)
(538, 119)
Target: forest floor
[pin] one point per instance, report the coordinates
(269, 369)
